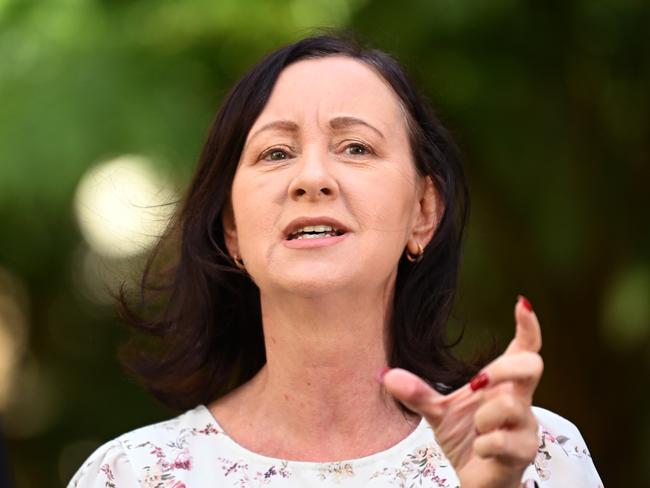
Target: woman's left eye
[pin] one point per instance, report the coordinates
(357, 149)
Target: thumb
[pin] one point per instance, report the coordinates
(528, 334)
(415, 394)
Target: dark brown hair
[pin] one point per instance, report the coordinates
(203, 313)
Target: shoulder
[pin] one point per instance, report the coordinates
(126, 461)
(108, 466)
(563, 458)
(553, 421)
(556, 430)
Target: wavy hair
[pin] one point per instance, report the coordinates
(196, 322)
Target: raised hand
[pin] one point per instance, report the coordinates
(486, 428)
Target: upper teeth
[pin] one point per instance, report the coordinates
(315, 228)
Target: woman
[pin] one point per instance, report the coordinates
(317, 243)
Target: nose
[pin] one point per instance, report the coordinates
(313, 180)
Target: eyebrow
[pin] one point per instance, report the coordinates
(345, 122)
(337, 123)
(281, 125)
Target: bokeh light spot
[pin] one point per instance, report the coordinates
(123, 206)
(13, 333)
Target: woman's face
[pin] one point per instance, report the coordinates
(326, 194)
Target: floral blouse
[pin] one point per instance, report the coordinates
(193, 451)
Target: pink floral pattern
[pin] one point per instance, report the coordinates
(192, 451)
(108, 472)
(420, 466)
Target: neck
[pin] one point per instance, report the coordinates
(319, 387)
(323, 356)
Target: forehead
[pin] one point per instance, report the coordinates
(332, 85)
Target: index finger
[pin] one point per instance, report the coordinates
(528, 334)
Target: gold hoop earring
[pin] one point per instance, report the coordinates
(415, 258)
(239, 263)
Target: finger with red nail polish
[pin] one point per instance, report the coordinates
(525, 302)
(528, 335)
(479, 381)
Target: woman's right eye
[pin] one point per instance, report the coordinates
(275, 155)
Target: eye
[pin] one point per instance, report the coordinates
(275, 154)
(357, 149)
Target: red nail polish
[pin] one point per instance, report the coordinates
(382, 373)
(479, 381)
(524, 301)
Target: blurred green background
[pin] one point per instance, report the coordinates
(103, 109)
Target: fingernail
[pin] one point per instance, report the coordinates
(524, 301)
(382, 372)
(479, 381)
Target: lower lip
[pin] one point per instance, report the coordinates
(312, 243)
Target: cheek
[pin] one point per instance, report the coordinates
(394, 194)
(384, 206)
(256, 214)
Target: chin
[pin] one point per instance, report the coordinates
(314, 286)
(314, 279)
(313, 282)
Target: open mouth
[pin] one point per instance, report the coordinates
(315, 232)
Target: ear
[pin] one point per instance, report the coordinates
(230, 230)
(429, 211)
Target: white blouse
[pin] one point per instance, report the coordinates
(193, 451)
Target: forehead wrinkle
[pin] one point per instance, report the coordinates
(291, 81)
